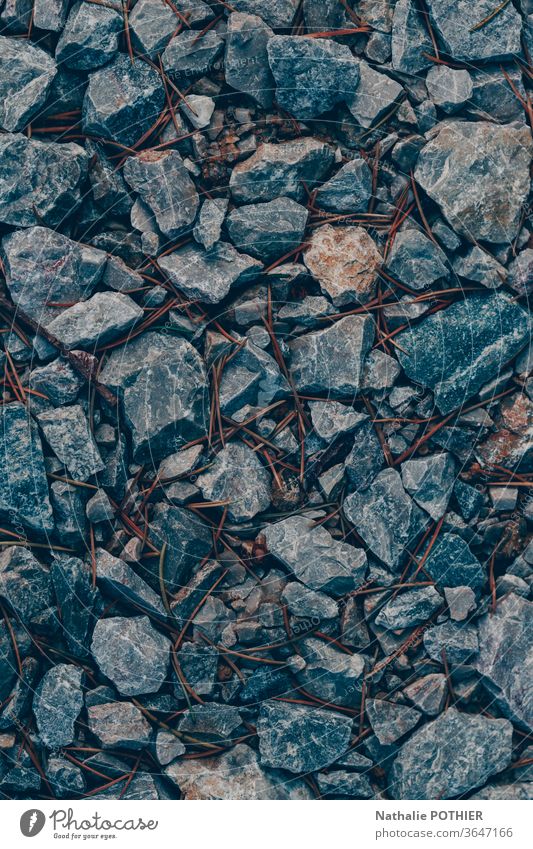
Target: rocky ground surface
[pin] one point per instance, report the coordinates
(267, 415)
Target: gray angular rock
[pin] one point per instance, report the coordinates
(450, 756)
(458, 641)
(478, 173)
(16, 15)
(119, 725)
(122, 101)
(380, 371)
(198, 109)
(39, 182)
(314, 556)
(276, 170)
(50, 14)
(251, 377)
(456, 351)
(213, 721)
(412, 608)
(57, 704)
(384, 516)
(208, 276)
(331, 675)
(99, 508)
(90, 37)
(345, 261)
(199, 666)
(493, 97)
(461, 602)
(163, 183)
(68, 504)
(153, 22)
(415, 260)
(375, 95)
(390, 721)
(208, 225)
(455, 22)
(189, 541)
(331, 419)
(276, 13)
(304, 602)
(65, 777)
(131, 653)
(481, 267)
(44, 266)
(24, 494)
(24, 583)
(95, 321)
(237, 477)
(503, 657)
(448, 88)
(301, 740)
(58, 381)
(246, 64)
(349, 190)
(343, 783)
(312, 75)
(188, 57)
(430, 481)
(161, 421)
(267, 230)
(428, 693)
(120, 581)
(66, 430)
(76, 599)
(332, 360)
(168, 747)
(26, 75)
(452, 564)
(365, 459)
(410, 39)
(235, 775)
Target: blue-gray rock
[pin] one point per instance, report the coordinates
(67, 432)
(409, 609)
(332, 360)
(452, 564)
(456, 351)
(57, 380)
(57, 704)
(469, 499)
(375, 95)
(365, 459)
(493, 97)
(410, 39)
(213, 721)
(455, 23)
(188, 57)
(96, 321)
(328, 15)
(390, 721)
(168, 747)
(315, 557)
(153, 22)
(304, 602)
(349, 190)
(428, 693)
(66, 778)
(199, 664)
(301, 740)
(237, 477)
(24, 583)
(252, 377)
(504, 641)
(208, 225)
(415, 260)
(76, 599)
(164, 185)
(429, 480)
(480, 267)
(520, 276)
(90, 37)
(107, 184)
(246, 64)
(23, 485)
(119, 725)
(340, 782)
(44, 266)
(312, 75)
(329, 674)
(40, 183)
(50, 14)
(26, 74)
(122, 101)
(208, 276)
(16, 15)
(131, 653)
(450, 756)
(457, 640)
(478, 173)
(276, 13)
(189, 542)
(384, 516)
(448, 88)
(161, 421)
(68, 504)
(120, 581)
(276, 170)
(332, 419)
(267, 230)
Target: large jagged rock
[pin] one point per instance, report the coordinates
(268, 230)
(90, 37)
(450, 756)
(95, 321)
(375, 95)
(43, 266)
(410, 39)
(57, 703)
(478, 173)
(237, 477)
(345, 261)
(503, 657)
(455, 351)
(390, 721)
(412, 608)
(120, 581)
(26, 75)
(119, 725)
(189, 542)
(430, 481)
(131, 653)
(24, 583)
(246, 59)
(276, 170)
(24, 496)
(207, 276)
(188, 57)
(67, 432)
(316, 559)
(332, 360)
(277, 13)
(312, 75)
(40, 183)
(153, 22)
(349, 190)
(122, 100)
(456, 21)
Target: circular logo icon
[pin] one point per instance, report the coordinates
(32, 822)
